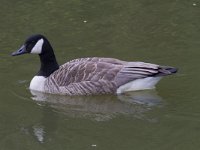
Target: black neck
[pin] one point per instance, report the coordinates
(48, 62)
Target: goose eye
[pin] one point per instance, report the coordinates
(30, 45)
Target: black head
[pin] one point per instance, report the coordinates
(34, 45)
(38, 44)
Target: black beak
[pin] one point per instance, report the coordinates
(20, 51)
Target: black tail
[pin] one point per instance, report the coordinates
(166, 70)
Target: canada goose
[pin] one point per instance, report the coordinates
(87, 76)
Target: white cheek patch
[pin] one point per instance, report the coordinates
(37, 49)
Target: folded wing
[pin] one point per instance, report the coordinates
(100, 75)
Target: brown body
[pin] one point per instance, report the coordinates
(88, 76)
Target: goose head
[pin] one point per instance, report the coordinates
(35, 44)
(38, 44)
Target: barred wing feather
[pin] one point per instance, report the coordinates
(99, 75)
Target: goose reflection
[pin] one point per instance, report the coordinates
(102, 107)
(95, 108)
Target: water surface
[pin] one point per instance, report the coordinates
(163, 32)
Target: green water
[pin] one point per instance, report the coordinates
(163, 32)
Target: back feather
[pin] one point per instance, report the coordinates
(100, 75)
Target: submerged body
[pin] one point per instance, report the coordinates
(87, 76)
